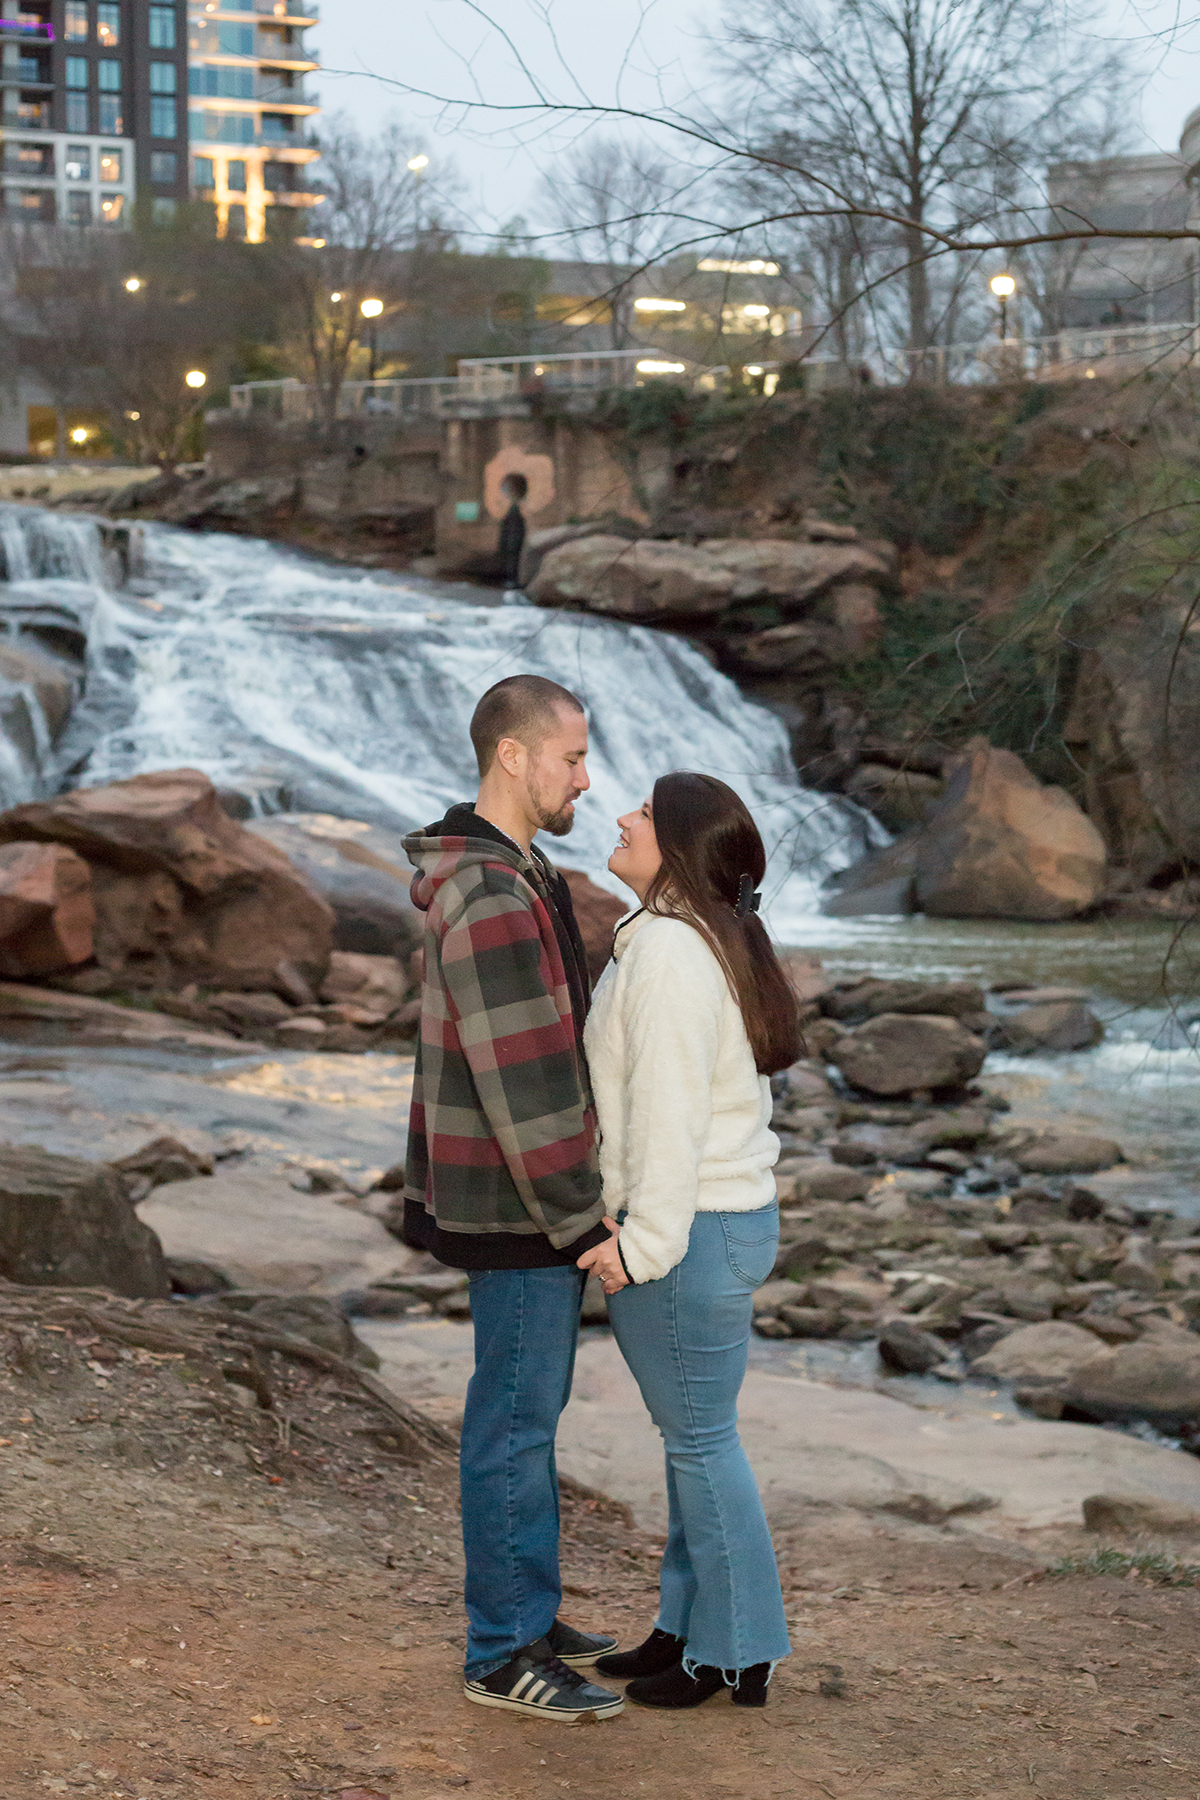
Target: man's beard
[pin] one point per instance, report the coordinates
(557, 823)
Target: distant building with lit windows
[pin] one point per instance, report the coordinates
(93, 110)
(249, 111)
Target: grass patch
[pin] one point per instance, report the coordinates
(1157, 1566)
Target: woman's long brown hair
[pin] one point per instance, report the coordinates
(709, 842)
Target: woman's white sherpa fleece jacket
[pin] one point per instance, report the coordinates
(684, 1113)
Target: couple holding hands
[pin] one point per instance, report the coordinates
(627, 1133)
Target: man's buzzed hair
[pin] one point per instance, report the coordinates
(525, 707)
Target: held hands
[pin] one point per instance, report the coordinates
(604, 1261)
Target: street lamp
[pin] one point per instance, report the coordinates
(195, 378)
(417, 163)
(1004, 287)
(371, 309)
(133, 284)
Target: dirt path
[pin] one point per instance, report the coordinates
(202, 1600)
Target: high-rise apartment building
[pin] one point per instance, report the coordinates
(249, 109)
(93, 109)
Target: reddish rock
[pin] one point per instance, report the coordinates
(182, 892)
(46, 909)
(597, 912)
(999, 845)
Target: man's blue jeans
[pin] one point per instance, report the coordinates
(526, 1327)
(685, 1339)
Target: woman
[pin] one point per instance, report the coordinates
(688, 1021)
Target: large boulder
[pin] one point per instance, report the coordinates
(46, 910)
(1134, 726)
(906, 1053)
(997, 845)
(650, 579)
(1051, 1025)
(360, 870)
(1050, 1352)
(1157, 1378)
(854, 1002)
(1053, 1152)
(30, 673)
(182, 892)
(69, 1223)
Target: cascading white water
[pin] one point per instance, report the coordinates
(306, 689)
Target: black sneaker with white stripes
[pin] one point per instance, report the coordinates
(537, 1682)
(576, 1648)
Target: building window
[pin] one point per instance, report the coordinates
(79, 162)
(108, 24)
(237, 221)
(163, 166)
(162, 78)
(28, 159)
(75, 21)
(77, 112)
(111, 208)
(162, 27)
(112, 165)
(202, 173)
(108, 75)
(77, 71)
(223, 128)
(163, 122)
(235, 40)
(110, 115)
(162, 211)
(276, 178)
(30, 203)
(235, 176)
(277, 128)
(222, 84)
(79, 209)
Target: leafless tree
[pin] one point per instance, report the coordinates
(612, 204)
(377, 205)
(928, 115)
(113, 322)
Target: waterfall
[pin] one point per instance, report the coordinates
(301, 688)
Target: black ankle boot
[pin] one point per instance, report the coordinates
(676, 1688)
(751, 1689)
(659, 1652)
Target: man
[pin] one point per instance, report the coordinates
(502, 1176)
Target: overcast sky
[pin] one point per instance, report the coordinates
(638, 53)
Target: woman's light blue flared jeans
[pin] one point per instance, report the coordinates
(685, 1339)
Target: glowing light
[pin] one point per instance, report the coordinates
(133, 284)
(757, 312)
(1003, 286)
(371, 309)
(651, 305)
(1090, 374)
(80, 434)
(133, 415)
(417, 163)
(195, 378)
(651, 366)
(721, 265)
(335, 298)
(308, 243)
(754, 368)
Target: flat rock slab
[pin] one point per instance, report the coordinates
(38, 1015)
(265, 1234)
(812, 1444)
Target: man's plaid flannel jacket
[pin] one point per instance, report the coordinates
(502, 1131)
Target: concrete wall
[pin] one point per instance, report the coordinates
(370, 470)
(570, 467)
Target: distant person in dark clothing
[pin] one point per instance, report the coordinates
(514, 487)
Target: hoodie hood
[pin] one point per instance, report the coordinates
(456, 842)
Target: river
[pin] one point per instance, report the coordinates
(301, 687)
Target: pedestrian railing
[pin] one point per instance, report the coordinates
(483, 384)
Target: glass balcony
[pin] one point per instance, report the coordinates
(32, 114)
